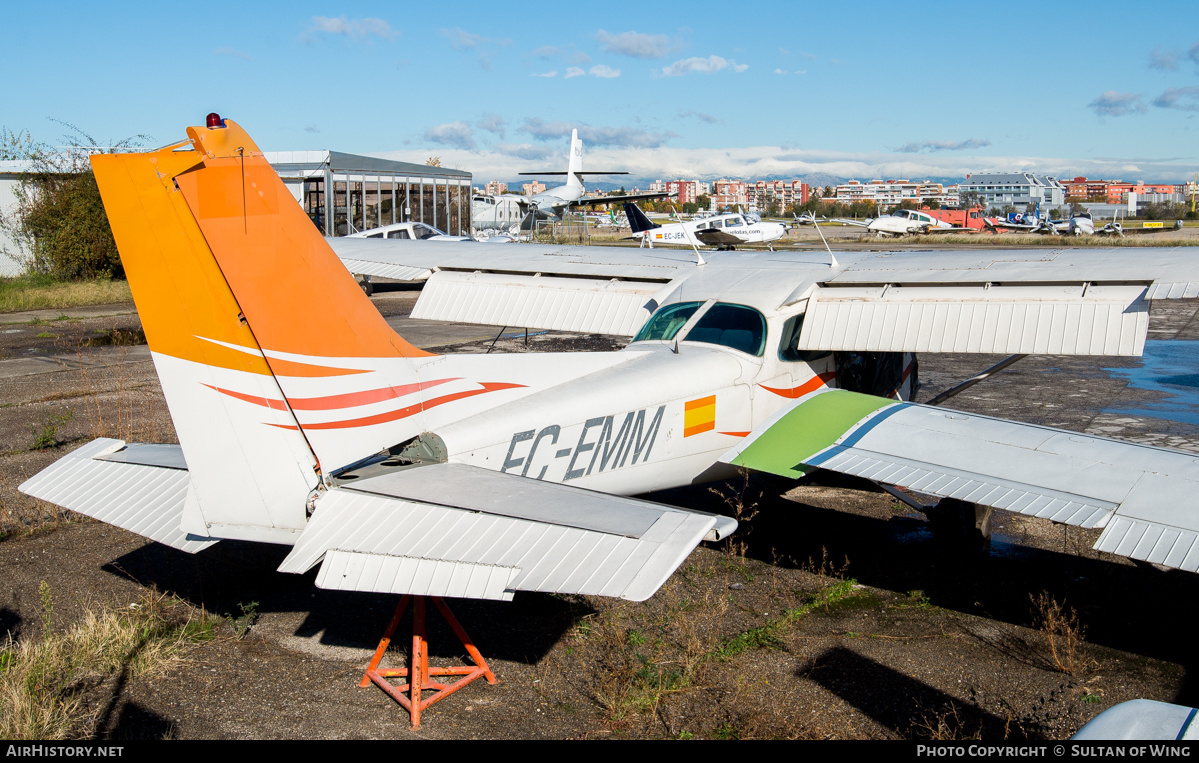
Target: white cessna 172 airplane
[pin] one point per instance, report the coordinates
(903, 222)
(303, 419)
(722, 231)
(505, 210)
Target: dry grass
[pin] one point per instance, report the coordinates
(32, 293)
(1063, 632)
(53, 687)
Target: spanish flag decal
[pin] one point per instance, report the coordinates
(699, 415)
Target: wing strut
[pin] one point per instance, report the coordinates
(1009, 360)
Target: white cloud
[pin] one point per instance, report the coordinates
(454, 134)
(492, 123)
(460, 39)
(697, 65)
(597, 136)
(634, 44)
(1183, 98)
(1165, 60)
(755, 162)
(1113, 104)
(933, 146)
(355, 29)
(575, 71)
(604, 71)
(546, 74)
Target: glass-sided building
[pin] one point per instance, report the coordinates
(348, 193)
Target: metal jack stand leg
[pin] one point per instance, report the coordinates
(419, 671)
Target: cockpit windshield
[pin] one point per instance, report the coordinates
(735, 326)
(666, 322)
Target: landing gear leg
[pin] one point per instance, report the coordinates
(957, 521)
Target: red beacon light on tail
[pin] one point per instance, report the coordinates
(214, 120)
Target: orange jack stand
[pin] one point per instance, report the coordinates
(421, 674)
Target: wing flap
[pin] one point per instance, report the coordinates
(456, 541)
(594, 306)
(140, 488)
(1143, 497)
(1054, 319)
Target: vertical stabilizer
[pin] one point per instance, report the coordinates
(250, 474)
(576, 160)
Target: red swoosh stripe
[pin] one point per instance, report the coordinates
(809, 386)
(265, 402)
(348, 400)
(403, 413)
(352, 399)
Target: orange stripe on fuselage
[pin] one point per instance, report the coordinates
(811, 385)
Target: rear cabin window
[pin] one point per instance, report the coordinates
(735, 326)
(789, 341)
(666, 322)
(398, 234)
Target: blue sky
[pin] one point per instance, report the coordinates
(662, 90)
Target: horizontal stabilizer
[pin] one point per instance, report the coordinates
(393, 270)
(140, 488)
(593, 306)
(1144, 497)
(1059, 319)
(457, 530)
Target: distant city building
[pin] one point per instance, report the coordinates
(1082, 189)
(495, 188)
(892, 192)
(531, 188)
(1017, 189)
(727, 193)
(1117, 193)
(783, 192)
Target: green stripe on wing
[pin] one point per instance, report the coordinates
(807, 429)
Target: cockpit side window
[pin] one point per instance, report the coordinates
(401, 233)
(789, 341)
(736, 326)
(666, 322)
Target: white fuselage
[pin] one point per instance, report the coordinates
(747, 229)
(903, 222)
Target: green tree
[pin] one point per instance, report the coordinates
(59, 222)
(933, 203)
(704, 201)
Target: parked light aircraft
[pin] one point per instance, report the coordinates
(303, 419)
(903, 222)
(505, 210)
(722, 231)
(1080, 224)
(408, 231)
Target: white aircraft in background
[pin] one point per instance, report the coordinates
(506, 210)
(726, 231)
(303, 419)
(904, 222)
(409, 231)
(1080, 224)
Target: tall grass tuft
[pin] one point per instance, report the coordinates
(47, 683)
